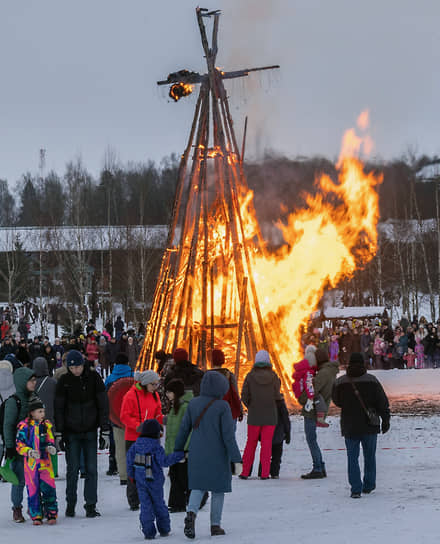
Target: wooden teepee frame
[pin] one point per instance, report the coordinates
(206, 295)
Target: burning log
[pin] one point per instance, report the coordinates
(179, 90)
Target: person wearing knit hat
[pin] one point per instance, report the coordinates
(185, 371)
(141, 402)
(260, 393)
(356, 393)
(309, 354)
(146, 377)
(179, 490)
(262, 359)
(7, 388)
(38, 469)
(180, 354)
(81, 408)
(145, 459)
(314, 413)
(232, 397)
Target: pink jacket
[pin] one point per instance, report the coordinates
(303, 379)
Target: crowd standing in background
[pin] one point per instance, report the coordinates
(409, 344)
(81, 393)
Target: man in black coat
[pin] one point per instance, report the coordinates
(355, 425)
(183, 370)
(81, 407)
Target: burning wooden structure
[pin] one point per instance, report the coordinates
(206, 295)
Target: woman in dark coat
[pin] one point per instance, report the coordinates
(260, 393)
(212, 449)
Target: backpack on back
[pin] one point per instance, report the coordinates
(2, 413)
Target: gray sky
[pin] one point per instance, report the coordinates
(77, 77)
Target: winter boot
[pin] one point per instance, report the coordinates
(17, 514)
(52, 521)
(91, 511)
(37, 522)
(70, 511)
(320, 419)
(190, 525)
(313, 475)
(216, 530)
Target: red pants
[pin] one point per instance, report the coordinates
(265, 433)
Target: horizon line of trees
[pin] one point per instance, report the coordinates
(142, 194)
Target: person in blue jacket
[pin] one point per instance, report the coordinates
(145, 460)
(212, 449)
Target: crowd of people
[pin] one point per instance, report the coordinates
(414, 344)
(99, 348)
(82, 404)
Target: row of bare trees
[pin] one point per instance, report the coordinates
(405, 269)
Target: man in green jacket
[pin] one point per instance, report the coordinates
(16, 411)
(323, 385)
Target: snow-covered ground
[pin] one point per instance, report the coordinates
(403, 509)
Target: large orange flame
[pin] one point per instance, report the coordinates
(327, 241)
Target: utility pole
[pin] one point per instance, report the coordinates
(42, 165)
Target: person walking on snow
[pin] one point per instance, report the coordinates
(260, 393)
(303, 389)
(179, 490)
(81, 407)
(323, 383)
(16, 409)
(145, 460)
(212, 449)
(355, 393)
(35, 442)
(141, 402)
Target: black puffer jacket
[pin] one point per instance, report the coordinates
(189, 374)
(353, 417)
(81, 403)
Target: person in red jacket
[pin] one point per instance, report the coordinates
(92, 351)
(141, 402)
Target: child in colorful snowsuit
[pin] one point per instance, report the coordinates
(35, 442)
(304, 391)
(179, 399)
(145, 460)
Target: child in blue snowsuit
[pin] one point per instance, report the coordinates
(145, 460)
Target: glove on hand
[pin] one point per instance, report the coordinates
(185, 457)
(385, 426)
(59, 442)
(240, 417)
(104, 440)
(11, 453)
(51, 450)
(35, 454)
(308, 406)
(238, 468)
(287, 439)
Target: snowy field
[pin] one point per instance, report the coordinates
(404, 508)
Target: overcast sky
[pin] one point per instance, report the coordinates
(78, 77)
